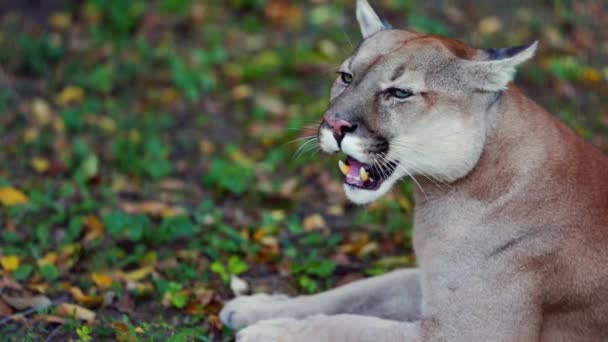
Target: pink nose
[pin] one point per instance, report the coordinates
(340, 127)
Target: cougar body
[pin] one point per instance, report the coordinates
(511, 215)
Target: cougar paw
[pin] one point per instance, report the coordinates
(273, 330)
(244, 311)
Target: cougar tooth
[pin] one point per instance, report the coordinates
(363, 174)
(343, 167)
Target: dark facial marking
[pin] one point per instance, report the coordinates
(501, 53)
(398, 72)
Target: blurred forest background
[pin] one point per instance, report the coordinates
(149, 151)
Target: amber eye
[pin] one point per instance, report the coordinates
(400, 93)
(346, 77)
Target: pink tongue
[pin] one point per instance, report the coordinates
(353, 174)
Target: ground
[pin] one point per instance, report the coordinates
(151, 152)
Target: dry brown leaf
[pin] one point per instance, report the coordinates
(24, 299)
(126, 304)
(50, 319)
(5, 309)
(77, 311)
(94, 228)
(87, 300)
(152, 208)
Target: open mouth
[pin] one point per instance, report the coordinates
(365, 176)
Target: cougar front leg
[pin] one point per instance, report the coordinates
(395, 296)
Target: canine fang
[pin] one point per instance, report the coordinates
(343, 167)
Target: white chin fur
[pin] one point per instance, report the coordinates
(327, 142)
(362, 196)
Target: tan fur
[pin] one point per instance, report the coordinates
(511, 217)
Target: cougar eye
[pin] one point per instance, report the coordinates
(346, 77)
(400, 93)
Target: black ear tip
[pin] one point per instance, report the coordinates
(500, 53)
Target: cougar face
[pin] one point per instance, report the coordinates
(409, 104)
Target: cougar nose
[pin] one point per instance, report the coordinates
(340, 127)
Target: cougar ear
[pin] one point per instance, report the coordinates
(497, 67)
(369, 21)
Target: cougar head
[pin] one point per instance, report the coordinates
(410, 104)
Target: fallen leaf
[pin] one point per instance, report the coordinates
(50, 319)
(242, 91)
(336, 210)
(125, 304)
(123, 334)
(40, 164)
(94, 228)
(24, 299)
(5, 309)
(103, 281)
(140, 289)
(60, 20)
(368, 249)
(87, 300)
(76, 311)
(314, 222)
(9, 263)
(138, 274)
(49, 259)
(41, 111)
(356, 243)
(11, 197)
(490, 25)
(152, 208)
(206, 146)
(70, 94)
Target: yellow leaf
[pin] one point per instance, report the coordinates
(591, 75)
(314, 222)
(40, 164)
(139, 330)
(104, 281)
(490, 25)
(10, 262)
(70, 94)
(60, 20)
(49, 258)
(107, 124)
(42, 112)
(87, 300)
(30, 134)
(169, 96)
(139, 274)
(242, 91)
(11, 196)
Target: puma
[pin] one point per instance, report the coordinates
(511, 216)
